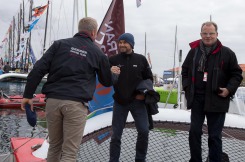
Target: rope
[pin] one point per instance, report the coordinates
(23, 144)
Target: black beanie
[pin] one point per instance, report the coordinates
(128, 38)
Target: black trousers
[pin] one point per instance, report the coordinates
(215, 122)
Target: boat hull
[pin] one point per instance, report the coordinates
(22, 149)
(14, 102)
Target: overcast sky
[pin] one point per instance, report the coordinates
(158, 19)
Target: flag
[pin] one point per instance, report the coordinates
(32, 55)
(38, 11)
(18, 56)
(138, 3)
(110, 29)
(31, 24)
(5, 39)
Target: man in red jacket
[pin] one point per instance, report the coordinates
(210, 76)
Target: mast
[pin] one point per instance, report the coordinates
(22, 24)
(180, 103)
(18, 41)
(145, 44)
(75, 14)
(13, 30)
(10, 44)
(86, 11)
(28, 42)
(46, 25)
(73, 22)
(50, 19)
(175, 47)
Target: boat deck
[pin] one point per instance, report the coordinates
(168, 142)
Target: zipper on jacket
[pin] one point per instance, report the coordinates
(127, 75)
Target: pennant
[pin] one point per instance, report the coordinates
(38, 11)
(32, 24)
(5, 39)
(33, 58)
(110, 29)
(17, 58)
(138, 3)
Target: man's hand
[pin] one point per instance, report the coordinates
(26, 101)
(223, 92)
(115, 70)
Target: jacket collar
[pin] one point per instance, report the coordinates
(196, 44)
(128, 55)
(84, 35)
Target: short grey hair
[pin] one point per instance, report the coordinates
(87, 24)
(208, 23)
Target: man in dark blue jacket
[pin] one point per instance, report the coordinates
(71, 65)
(131, 69)
(210, 76)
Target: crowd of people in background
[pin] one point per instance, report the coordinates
(6, 68)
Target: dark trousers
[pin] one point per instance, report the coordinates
(215, 122)
(120, 114)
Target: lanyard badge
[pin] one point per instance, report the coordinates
(205, 76)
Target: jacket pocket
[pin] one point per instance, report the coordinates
(219, 80)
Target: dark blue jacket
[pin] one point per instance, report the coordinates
(71, 65)
(134, 68)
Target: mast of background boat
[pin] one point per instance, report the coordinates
(180, 102)
(76, 11)
(46, 24)
(175, 47)
(18, 39)
(23, 59)
(86, 11)
(28, 42)
(22, 22)
(13, 42)
(73, 21)
(145, 44)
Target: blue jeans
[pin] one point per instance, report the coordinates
(120, 114)
(215, 122)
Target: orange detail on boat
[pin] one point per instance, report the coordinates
(14, 102)
(23, 151)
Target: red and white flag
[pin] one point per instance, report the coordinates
(138, 3)
(111, 28)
